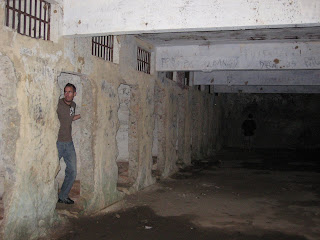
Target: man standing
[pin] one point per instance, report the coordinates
(66, 114)
(248, 128)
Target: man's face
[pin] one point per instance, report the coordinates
(69, 94)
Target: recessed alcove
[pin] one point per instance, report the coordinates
(81, 135)
(127, 137)
(122, 137)
(63, 79)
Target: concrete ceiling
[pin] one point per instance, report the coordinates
(297, 34)
(234, 60)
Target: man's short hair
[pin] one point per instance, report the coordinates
(70, 85)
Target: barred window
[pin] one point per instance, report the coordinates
(29, 17)
(143, 60)
(102, 47)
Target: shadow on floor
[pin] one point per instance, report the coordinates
(275, 159)
(74, 195)
(142, 223)
(236, 195)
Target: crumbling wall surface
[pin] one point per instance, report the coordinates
(185, 117)
(150, 98)
(123, 115)
(187, 149)
(29, 126)
(161, 120)
(106, 78)
(168, 129)
(99, 124)
(88, 113)
(204, 123)
(216, 125)
(10, 118)
(9, 126)
(283, 120)
(196, 126)
(142, 111)
(105, 149)
(213, 125)
(133, 132)
(181, 114)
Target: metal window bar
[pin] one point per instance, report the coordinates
(143, 60)
(29, 17)
(102, 47)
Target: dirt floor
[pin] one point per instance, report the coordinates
(268, 195)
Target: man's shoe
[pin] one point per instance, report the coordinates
(70, 201)
(66, 201)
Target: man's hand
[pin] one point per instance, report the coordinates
(76, 117)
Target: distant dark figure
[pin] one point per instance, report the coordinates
(248, 127)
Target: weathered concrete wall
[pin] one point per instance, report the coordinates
(203, 125)
(30, 90)
(123, 115)
(216, 127)
(10, 119)
(29, 131)
(283, 120)
(99, 116)
(142, 109)
(99, 185)
(187, 124)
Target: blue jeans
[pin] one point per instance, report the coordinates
(67, 151)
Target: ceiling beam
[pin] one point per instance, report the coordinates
(258, 77)
(98, 17)
(244, 56)
(266, 89)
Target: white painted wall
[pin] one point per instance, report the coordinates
(127, 16)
